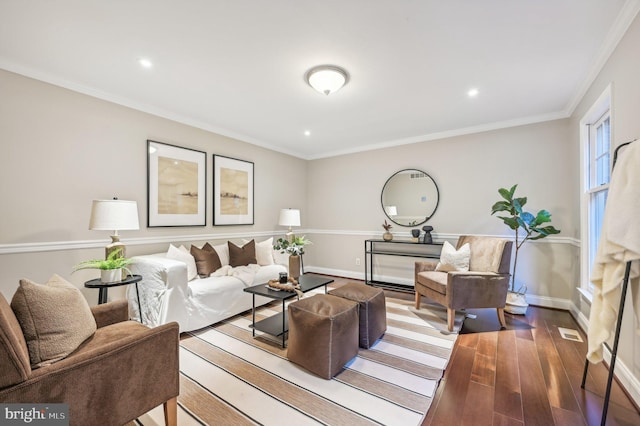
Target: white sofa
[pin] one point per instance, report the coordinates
(167, 294)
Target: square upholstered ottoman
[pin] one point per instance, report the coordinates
(323, 333)
(373, 310)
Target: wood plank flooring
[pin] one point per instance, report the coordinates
(526, 374)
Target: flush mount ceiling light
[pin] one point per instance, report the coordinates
(327, 79)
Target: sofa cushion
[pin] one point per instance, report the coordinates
(242, 256)
(264, 252)
(207, 260)
(14, 356)
(55, 318)
(452, 259)
(183, 255)
(223, 253)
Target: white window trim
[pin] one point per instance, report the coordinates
(599, 107)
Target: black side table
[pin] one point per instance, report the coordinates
(102, 295)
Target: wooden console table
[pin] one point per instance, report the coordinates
(405, 248)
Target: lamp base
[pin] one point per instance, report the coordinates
(116, 246)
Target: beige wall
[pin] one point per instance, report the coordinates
(621, 72)
(345, 198)
(61, 149)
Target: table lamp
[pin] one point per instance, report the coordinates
(114, 215)
(289, 217)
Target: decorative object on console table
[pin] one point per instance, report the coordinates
(532, 226)
(232, 191)
(415, 233)
(427, 239)
(289, 217)
(387, 236)
(295, 249)
(176, 186)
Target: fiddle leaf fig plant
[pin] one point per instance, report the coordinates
(518, 219)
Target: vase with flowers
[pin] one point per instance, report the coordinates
(387, 236)
(295, 249)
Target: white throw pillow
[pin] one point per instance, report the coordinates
(183, 255)
(264, 252)
(452, 259)
(223, 253)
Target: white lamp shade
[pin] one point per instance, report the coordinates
(327, 79)
(289, 217)
(114, 215)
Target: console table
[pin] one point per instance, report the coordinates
(405, 248)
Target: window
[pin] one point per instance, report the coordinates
(596, 144)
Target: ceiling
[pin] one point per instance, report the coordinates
(237, 67)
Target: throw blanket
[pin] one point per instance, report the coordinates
(619, 243)
(246, 274)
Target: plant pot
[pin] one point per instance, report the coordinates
(387, 236)
(110, 275)
(294, 266)
(516, 303)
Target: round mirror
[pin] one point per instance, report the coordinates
(410, 197)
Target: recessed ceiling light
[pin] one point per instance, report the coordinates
(145, 63)
(473, 93)
(307, 133)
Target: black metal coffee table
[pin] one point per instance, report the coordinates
(277, 325)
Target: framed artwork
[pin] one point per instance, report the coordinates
(232, 191)
(176, 185)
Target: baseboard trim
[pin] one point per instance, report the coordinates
(623, 374)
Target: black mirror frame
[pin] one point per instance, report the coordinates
(427, 217)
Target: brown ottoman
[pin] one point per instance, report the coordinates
(323, 333)
(373, 310)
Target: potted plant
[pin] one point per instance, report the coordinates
(111, 268)
(387, 236)
(533, 228)
(295, 248)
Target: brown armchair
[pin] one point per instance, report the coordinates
(485, 285)
(124, 370)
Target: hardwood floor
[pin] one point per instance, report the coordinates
(526, 374)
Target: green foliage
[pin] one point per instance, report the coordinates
(516, 218)
(295, 247)
(113, 261)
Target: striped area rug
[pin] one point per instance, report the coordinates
(229, 377)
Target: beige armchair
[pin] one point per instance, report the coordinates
(485, 285)
(124, 370)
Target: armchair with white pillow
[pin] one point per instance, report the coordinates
(475, 274)
(198, 287)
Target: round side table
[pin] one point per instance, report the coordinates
(104, 287)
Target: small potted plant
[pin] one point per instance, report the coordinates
(387, 236)
(111, 268)
(533, 228)
(295, 248)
